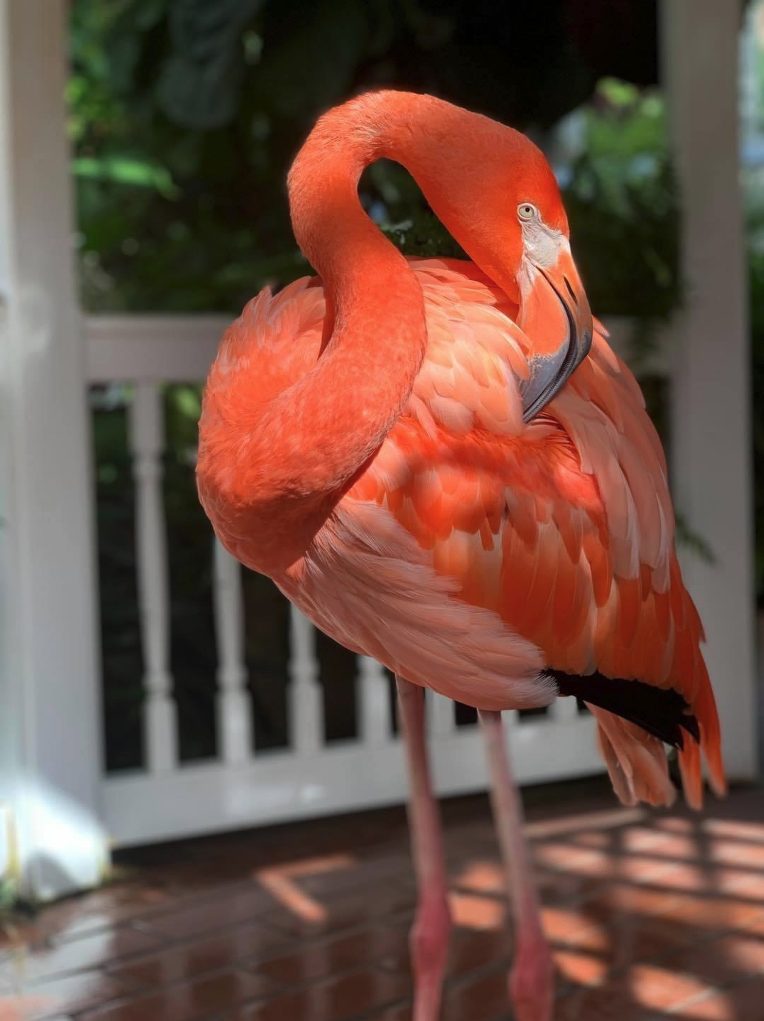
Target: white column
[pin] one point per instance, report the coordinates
(146, 445)
(441, 716)
(305, 701)
(49, 704)
(564, 710)
(233, 702)
(375, 723)
(711, 414)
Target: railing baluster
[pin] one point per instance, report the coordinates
(375, 723)
(511, 719)
(564, 709)
(306, 703)
(233, 700)
(146, 444)
(441, 715)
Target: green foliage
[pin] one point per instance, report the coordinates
(200, 83)
(185, 115)
(189, 544)
(620, 195)
(120, 627)
(622, 206)
(686, 536)
(8, 898)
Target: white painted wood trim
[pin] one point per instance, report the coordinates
(374, 723)
(234, 710)
(711, 414)
(564, 710)
(146, 439)
(176, 348)
(305, 696)
(49, 694)
(276, 788)
(441, 718)
(181, 348)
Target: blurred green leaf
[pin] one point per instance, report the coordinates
(200, 84)
(686, 536)
(123, 170)
(315, 51)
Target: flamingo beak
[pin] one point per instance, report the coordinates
(556, 318)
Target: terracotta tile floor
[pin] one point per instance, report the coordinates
(652, 915)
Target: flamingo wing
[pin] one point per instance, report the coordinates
(563, 528)
(497, 562)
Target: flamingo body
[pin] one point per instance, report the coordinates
(444, 465)
(473, 551)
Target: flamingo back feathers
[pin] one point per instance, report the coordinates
(564, 527)
(556, 538)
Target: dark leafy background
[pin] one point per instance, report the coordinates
(184, 116)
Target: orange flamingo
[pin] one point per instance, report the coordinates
(444, 465)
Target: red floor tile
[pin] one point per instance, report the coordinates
(580, 968)
(189, 1001)
(740, 1003)
(75, 993)
(473, 950)
(606, 1004)
(357, 910)
(652, 915)
(475, 911)
(77, 955)
(186, 961)
(400, 1013)
(480, 999)
(327, 957)
(660, 987)
(218, 913)
(333, 1000)
(92, 913)
(722, 961)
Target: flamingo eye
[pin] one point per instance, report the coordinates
(526, 211)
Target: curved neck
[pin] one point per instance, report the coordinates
(301, 450)
(457, 158)
(309, 442)
(313, 438)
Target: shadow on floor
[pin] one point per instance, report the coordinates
(651, 915)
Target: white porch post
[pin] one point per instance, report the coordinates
(712, 452)
(49, 720)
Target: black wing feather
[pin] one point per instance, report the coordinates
(662, 712)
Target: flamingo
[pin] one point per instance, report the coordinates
(444, 466)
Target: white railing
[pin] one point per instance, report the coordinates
(235, 738)
(146, 444)
(244, 787)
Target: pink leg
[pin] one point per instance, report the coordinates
(428, 939)
(531, 980)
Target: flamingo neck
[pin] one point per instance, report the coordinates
(313, 438)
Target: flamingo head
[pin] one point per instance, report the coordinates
(497, 195)
(554, 311)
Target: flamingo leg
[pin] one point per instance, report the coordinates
(428, 940)
(531, 980)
